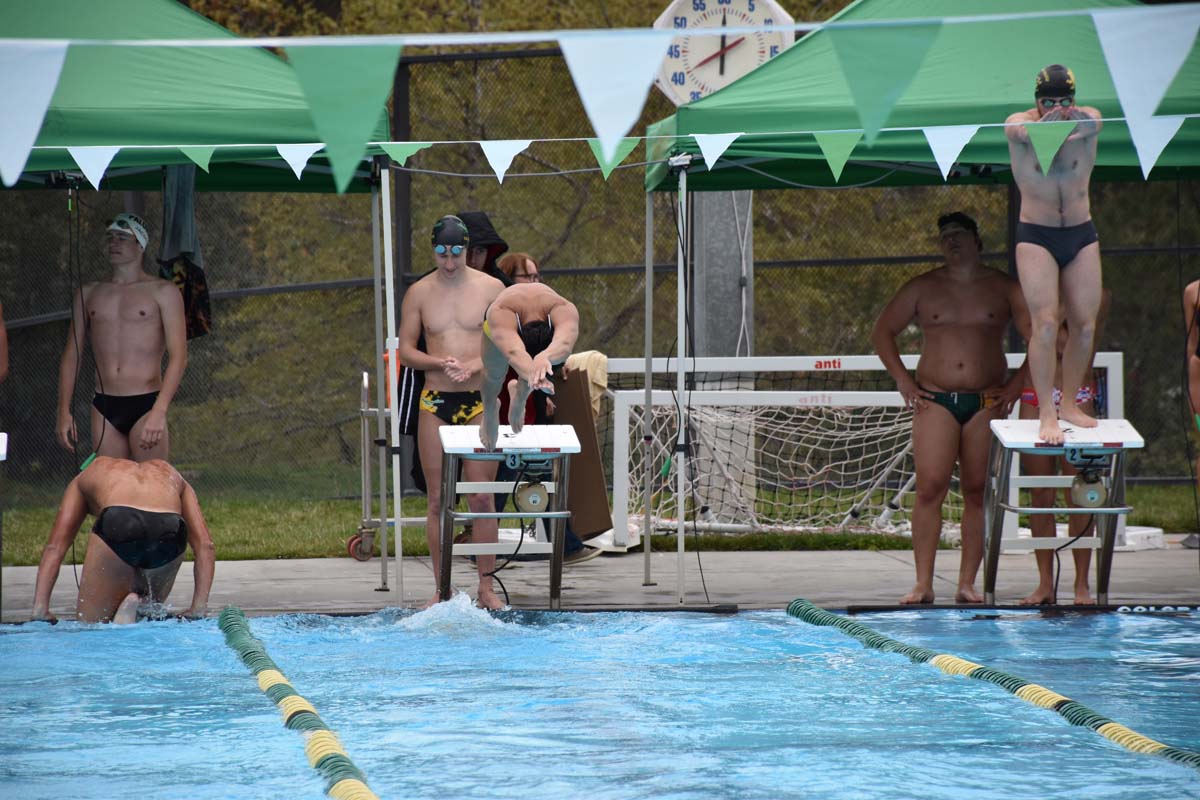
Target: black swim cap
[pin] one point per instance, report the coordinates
(1055, 81)
(450, 230)
(537, 336)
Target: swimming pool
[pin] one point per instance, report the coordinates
(455, 703)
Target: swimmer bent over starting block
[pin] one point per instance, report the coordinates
(532, 328)
(146, 517)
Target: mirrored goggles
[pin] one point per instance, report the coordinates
(452, 249)
(1050, 102)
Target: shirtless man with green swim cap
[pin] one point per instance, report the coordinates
(962, 310)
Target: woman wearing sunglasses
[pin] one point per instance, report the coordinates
(1058, 250)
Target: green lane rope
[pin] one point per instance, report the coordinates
(325, 753)
(1073, 712)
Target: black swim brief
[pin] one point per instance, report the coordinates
(452, 408)
(963, 405)
(142, 539)
(1061, 243)
(123, 411)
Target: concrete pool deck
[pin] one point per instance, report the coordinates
(834, 579)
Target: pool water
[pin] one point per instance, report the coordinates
(454, 703)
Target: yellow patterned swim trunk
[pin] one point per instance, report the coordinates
(453, 408)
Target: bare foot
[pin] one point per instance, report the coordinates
(1072, 414)
(516, 406)
(1083, 597)
(967, 594)
(1049, 431)
(487, 600)
(489, 426)
(126, 613)
(433, 601)
(1039, 597)
(917, 595)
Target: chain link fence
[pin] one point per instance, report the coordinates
(269, 402)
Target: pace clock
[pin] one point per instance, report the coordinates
(697, 66)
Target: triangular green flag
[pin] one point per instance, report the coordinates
(837, 147)
(1046, 138)
(200, 155)
(346, 89)
(626, 147)
(879, 63)
(400, 151)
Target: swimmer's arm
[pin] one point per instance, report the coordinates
(410, 332)
(1088, 120)
(170, 305)
(3, 347)
(66, 526)
(1014, 127)
(203, 552)
(170, 308)
(68, 368)
(895, 317)
(504, 335)
(1191, 316)
(565, 319)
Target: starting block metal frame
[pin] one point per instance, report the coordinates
(534, 444)
(1103, 447)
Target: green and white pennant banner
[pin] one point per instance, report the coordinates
(400, 152)
(28, 77)
(837, 147)
(1046, 138)
(607, 165)
(713, 145)
(500, 153)
(1145, 48)
(297, 155)
(613, 73)
(879, 63)
(947, 143)
(200, 156)
(93, 161)
(347, 90)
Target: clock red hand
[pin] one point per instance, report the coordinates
(721, 52)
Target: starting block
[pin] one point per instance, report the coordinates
(1099, 454)
(535, 444)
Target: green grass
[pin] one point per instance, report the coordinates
(273, 527)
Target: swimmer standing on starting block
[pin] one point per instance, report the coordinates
(146, 517)
(1058, 249)
(532, 328)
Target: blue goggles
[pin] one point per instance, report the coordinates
(452, 249)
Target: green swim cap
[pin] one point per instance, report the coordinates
(450, 230)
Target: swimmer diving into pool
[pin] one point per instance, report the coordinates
(532, 328)
(146, 517)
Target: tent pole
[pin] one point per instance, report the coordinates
(681, 442)
(380, 390)
(393, 345)
(647, 432)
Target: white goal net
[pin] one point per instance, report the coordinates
(787, 444)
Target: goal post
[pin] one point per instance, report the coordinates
(827, 446)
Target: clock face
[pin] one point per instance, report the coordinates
(697, 66)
